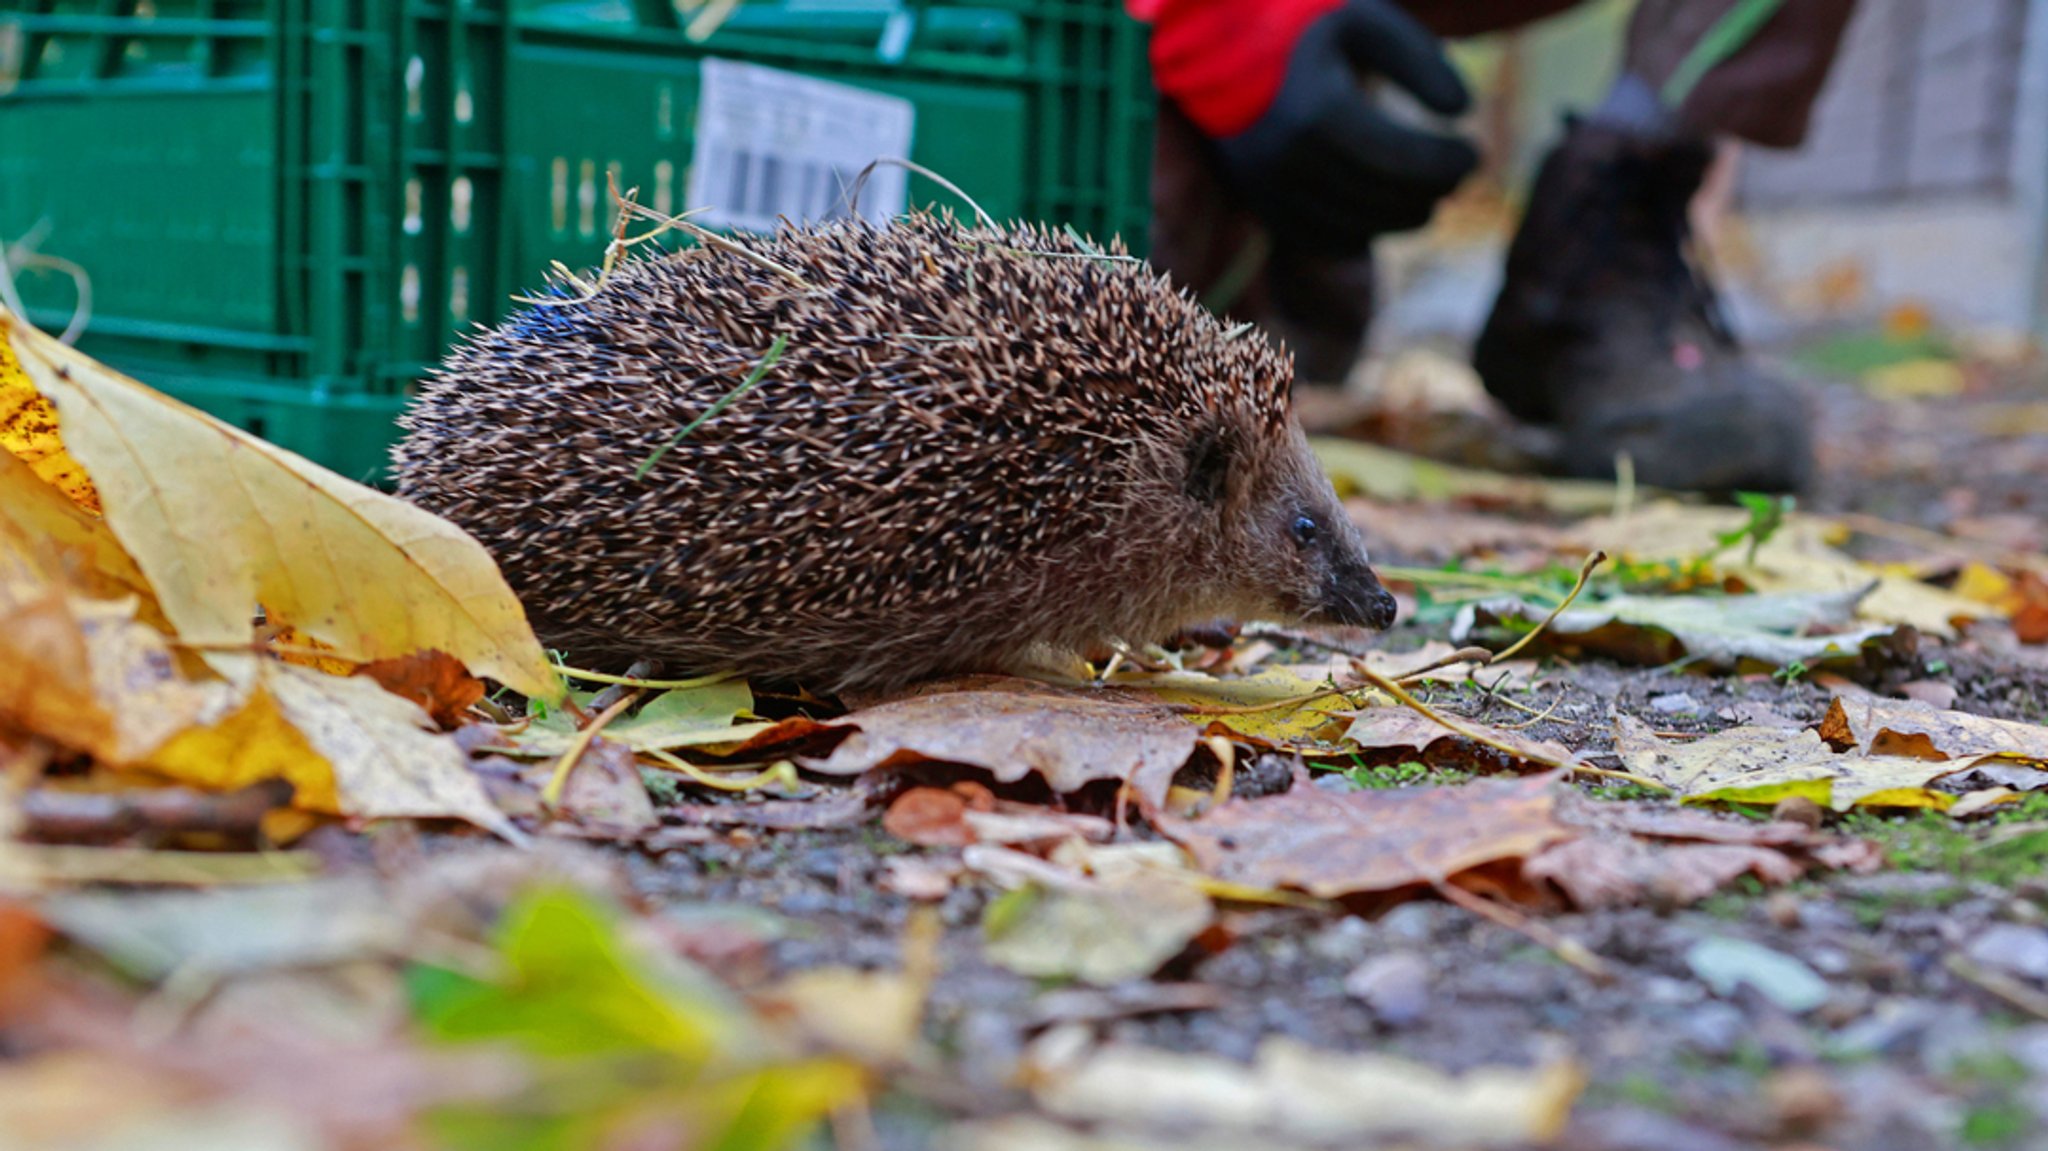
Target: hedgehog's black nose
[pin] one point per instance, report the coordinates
(1352, 595)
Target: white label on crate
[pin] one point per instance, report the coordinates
(773, 144)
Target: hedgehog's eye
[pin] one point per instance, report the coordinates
(1208, 467)
(1305, 530)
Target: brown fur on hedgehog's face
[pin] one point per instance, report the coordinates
(1290, 551)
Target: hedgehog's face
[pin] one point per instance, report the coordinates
(1293, 550)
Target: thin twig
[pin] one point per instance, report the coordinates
(1585, 573)
(783, 772)
(1401, 696)
(551, 795)
(1477, 655)
(723, 402)
(659, 684)
(1564, 947)
(2004, 987)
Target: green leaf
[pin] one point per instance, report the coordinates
(568, 989)
(685, 717)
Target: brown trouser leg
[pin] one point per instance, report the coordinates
(1320, 306)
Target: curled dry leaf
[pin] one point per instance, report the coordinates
(85, 673)
(935, 816)
(434, 680)
(1902, 727)
(219, 522)
(1014, 727)
(1333, 844)
(1724, 633)
(1766, 765)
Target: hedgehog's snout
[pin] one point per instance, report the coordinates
(1341, 587)
(1353, 595)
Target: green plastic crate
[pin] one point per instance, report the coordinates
(289, 208)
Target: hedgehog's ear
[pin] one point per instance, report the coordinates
(1210, 456)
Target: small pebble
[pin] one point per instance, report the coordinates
(2012, 948)
(1395, 986)
(1802, 1099)
(1674, 703)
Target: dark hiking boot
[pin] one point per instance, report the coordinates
(1607, 328)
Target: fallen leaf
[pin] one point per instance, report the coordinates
(386, 759)
(922, 880)
(685, 717)
(1395, 477)
(23, 936)
(28, 433)
(1622, 871)
(86, 673)
(35, 515)
(1797, 558)
(434, 680)
(1013, 727)
(1724, 633)
(930, 817)
(874, 1015)
(220, 522)
(605, 796)
(154, 935)
(1286, 715)
(1106, 931)
(1336, 844)
(1292, 1091)
(1911, 728)
(1766, 765)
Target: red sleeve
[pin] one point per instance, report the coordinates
(1222, 61)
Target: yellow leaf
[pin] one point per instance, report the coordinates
(249, 744)
(220, 522)
(1287, 713)
(1984, 585)
(84, 673)
(386, 759)
(89, 556)
(28, 432)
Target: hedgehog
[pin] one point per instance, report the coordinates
(966, 449)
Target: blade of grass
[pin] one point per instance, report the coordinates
(725, 401)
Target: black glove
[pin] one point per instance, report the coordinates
(1324, 167)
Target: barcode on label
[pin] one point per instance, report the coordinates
(773, 145)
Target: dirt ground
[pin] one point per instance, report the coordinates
(1909, 1050)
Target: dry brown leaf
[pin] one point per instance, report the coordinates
(1015, 727)
(1619, 871)
(435, 680)
(85, 673)
(934, 816)
(1910, 728)
(23, 936)
(1333, 844)
(221, 522)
